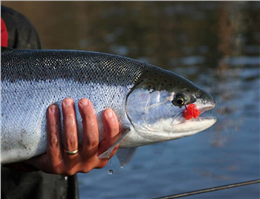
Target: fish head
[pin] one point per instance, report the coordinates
(156, 104)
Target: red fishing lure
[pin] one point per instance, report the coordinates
(191, 111)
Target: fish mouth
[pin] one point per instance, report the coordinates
(205, 107)
(195, 125)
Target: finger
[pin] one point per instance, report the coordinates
(52, 161)
(70, 128)
(54, 148)
(90, 129)
(111, 131)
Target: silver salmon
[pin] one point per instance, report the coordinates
(148, 101)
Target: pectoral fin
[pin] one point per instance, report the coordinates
(108, 152)
(125, 155)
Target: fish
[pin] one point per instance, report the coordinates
(148, 101)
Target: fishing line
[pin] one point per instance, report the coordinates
(151, 169)
(210, 189)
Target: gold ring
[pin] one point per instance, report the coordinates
(72, 152)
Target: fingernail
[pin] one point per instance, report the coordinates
(68, 102)
(84, 102)
(53, 109)
(109, 114)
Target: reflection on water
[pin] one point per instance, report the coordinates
(214, 44)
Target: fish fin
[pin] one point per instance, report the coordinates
(108, 152)
(125, 155)
(3, 49)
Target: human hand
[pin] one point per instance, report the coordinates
(57, 160)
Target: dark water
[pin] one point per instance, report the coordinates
(214, 44)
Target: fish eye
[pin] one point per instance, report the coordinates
(179, 100)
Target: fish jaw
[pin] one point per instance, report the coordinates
(178, 127)
(193, 126)
(184, 127)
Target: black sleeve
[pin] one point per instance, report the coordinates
(21, 33)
